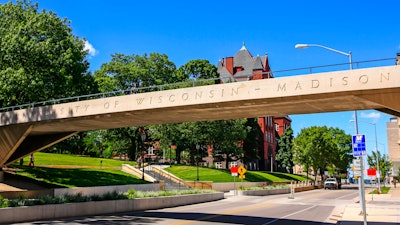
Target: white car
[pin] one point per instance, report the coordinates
(331, 183)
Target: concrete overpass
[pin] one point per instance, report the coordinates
(29, 130)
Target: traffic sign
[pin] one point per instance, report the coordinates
(359, 148)
(357, 173)
(357, 164)
(242, 170)
(234, 171)
(242, 176)
(371, 172)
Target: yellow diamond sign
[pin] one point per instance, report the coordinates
(241, 170)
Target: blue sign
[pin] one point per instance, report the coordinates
(359, 148)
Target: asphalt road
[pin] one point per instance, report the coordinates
(309, 208)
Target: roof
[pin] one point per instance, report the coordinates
(244, 64)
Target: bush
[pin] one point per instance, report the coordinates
(3, 202)
(131, 194)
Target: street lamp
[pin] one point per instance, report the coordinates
(143, 136)
(197, 160)
(377, 160)
(170, 155)
(300, 46)
(361, 179)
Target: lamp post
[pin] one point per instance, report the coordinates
(361, 179)
(197, 160)
(300, 46)
(143, 136)
(377, 156)
(377, 160)
(170, 155)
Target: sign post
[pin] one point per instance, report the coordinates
(241, 172)
(359, 150)
(234, 172)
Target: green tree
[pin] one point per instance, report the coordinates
(252, 142)
(182, 135)
(322, 147)
(226, 136)
(285, 150)
(131, 72)
(223, 135)
(342, 156)
(197, 69)
(384, 163)
(40, 58)
(134, 71)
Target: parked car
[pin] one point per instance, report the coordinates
(331, 183)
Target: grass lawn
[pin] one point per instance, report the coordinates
(218, 175)
(81, 171)
(73, 161)
(78, 177)
(76, 171)
(384, 190)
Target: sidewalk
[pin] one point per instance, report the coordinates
(381, 209)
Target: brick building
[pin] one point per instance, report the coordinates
(242, 67)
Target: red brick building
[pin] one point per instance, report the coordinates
(241, 67)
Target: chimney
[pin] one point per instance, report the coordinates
(229, 64)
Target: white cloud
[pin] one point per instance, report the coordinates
(89, 47)
(371, 115)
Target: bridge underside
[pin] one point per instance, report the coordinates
(19, 138)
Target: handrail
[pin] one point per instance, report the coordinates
(191, 83)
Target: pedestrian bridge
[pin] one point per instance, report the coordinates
(28, 130)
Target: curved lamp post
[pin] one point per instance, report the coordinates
(300, 46)
(361, 183)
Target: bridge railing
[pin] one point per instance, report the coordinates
(204, 82)
(337, 67)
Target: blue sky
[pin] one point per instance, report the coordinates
(208, 29)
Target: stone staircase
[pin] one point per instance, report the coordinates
(169, 183)
(156, 173)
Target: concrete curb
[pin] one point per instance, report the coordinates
(56, 211)
(260, 192)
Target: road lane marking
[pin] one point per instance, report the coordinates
(205, 218)
(314, 194)
(284, 217)
(343, 196)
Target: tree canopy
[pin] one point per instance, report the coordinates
(320, 147)
(134, 71)
(197, 69)
(285, 150)
(384, 163)
(40, 58)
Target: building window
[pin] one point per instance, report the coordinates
(232, 164)
(277, 127)
(218, 165)
(150, 151)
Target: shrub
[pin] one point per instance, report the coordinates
(3, 202)
(131, 194)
